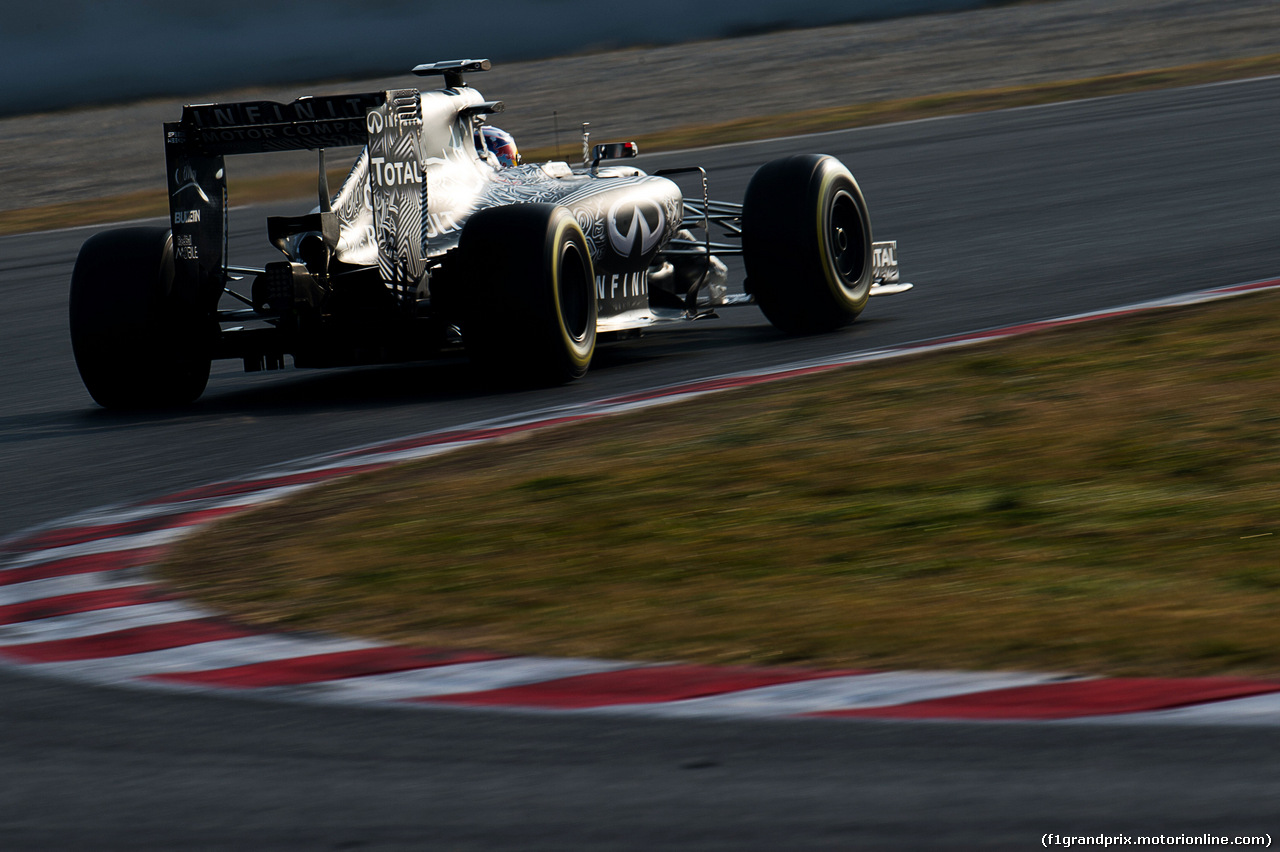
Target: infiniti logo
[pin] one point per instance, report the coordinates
(635, 227)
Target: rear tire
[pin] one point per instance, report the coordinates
(806, 243)
(530, 315)
(134, 346)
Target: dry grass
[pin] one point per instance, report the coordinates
(301, 185)
(1099, 499)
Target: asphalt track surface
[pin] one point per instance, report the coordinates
(1001, 218)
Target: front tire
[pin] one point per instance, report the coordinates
(134, 345)
(806, 243)
(531, 311)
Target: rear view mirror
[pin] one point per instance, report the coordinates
(614, 151)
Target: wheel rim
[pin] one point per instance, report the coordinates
(575, 293)
(844, 239)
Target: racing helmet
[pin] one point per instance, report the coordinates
(498, 142)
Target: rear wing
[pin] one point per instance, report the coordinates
(389, 122)
(254, 127)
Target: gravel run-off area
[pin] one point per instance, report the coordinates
(95, 153)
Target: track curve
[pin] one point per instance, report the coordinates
(78, 601)
(1001, 218)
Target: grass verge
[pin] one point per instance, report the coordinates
(148, 203)
(1099, 499)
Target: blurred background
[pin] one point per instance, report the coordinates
(68, 52)
(85, 87)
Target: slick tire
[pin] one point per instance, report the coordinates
(134, 346)
(806, 244)
(530, 304)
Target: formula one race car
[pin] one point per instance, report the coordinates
(436, 241)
